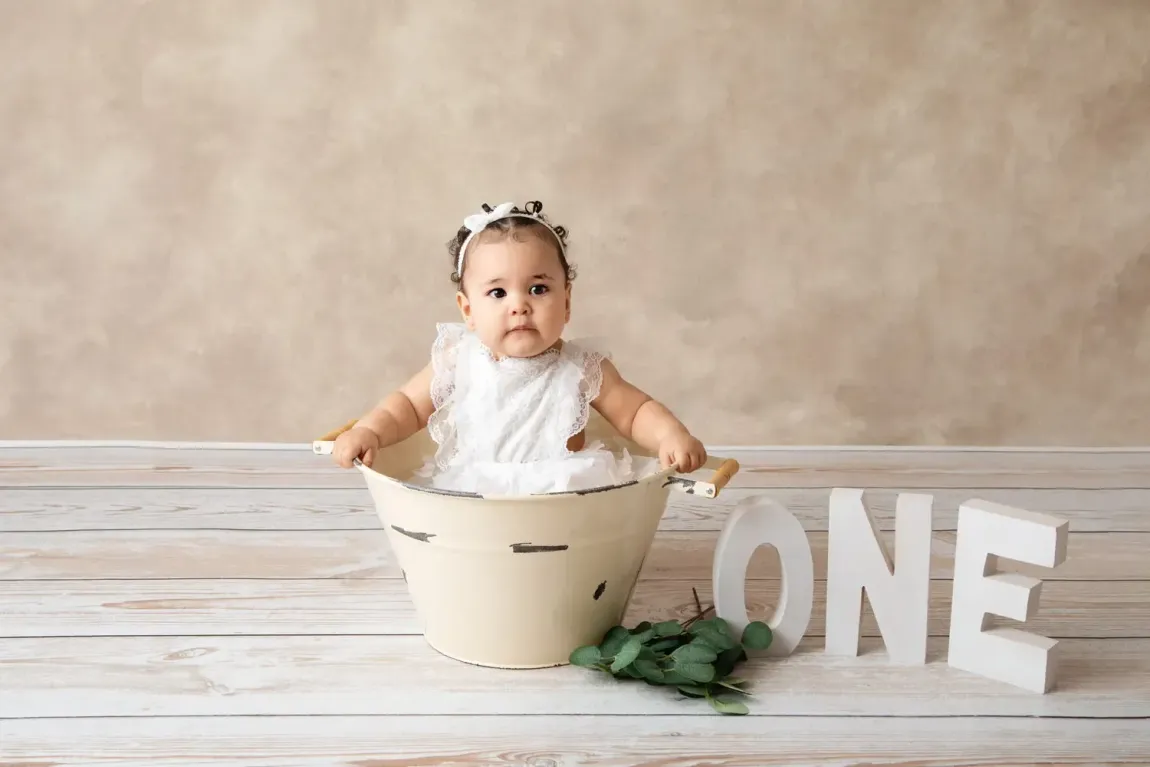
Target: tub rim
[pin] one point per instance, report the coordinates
(667, 477)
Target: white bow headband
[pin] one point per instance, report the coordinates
(477, 222)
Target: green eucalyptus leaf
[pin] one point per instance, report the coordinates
(706, 624)
(702, 641)
(668, 628)
(627, 653)
(613, 641)
(586, 656)
(736, 688)
(757, 636)
(649, 670)
(643, 626)
(713, 625)
(664, 645)
(672, 676)
(713, 644)
(696, 672)
(727, 661)
(727, 706)
(717, 642)
(628, 672)
(717, 637)
(692, 690)
(694, 653)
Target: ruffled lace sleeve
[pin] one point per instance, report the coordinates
(444, 352)
(588, 354)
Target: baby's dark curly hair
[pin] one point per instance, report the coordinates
(511, 226)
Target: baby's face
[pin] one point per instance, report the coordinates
(515, 295)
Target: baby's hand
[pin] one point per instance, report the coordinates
(358, 442)
(683, 451)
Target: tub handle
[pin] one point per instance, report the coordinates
(325, 444)
(725, 470)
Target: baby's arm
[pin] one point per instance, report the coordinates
(647, 422)
(398, 416)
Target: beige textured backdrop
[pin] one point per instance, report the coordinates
(798, 222)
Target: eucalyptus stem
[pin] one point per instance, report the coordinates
(690, 621)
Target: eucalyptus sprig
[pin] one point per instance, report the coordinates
(697, 657)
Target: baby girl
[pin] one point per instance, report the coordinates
(504, 396)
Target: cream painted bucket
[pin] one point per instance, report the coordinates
(521, 581)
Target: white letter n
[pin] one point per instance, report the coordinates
(857, 559)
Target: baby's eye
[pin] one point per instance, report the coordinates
(538, 290)
(497, 292)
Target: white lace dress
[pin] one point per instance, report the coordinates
(502, 425)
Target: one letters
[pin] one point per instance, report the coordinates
(858, 561)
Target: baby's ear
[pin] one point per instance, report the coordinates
(464, 306)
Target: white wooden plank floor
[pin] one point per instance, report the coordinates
(239, 605)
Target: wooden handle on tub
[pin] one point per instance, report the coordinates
(331, 435)
(726, 469)
(323, 445)
(724, 474)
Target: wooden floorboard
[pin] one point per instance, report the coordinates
(31, 466)
(573, 741)
(401, 675)
(137, 554)
(1080, 609)
(44, 509)
(250, 593)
